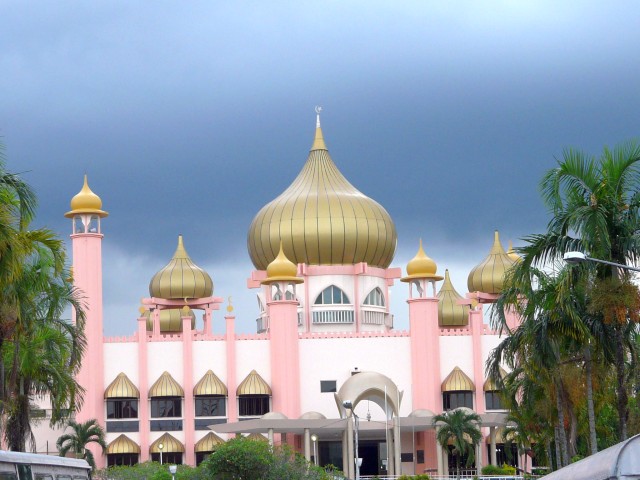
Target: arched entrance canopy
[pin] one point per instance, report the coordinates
(372, 386)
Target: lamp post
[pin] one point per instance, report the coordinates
(173, 469)
(160, 447)
(314, 439)
(349, 406)
(579, 257)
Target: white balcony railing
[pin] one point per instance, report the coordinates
(332, 316)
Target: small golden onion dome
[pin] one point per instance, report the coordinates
(488, 275)
(282, 270)
(421, 266)
(322, 219)
(86, 201)
(512, 253)
(181, 278)
(450, 312)
(170, 320)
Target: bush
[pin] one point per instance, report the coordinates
(150, 471)
(255, 460)
(495, 470)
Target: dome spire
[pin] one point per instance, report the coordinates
(87, 202)
(318, 141)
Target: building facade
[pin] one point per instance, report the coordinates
(325, 351)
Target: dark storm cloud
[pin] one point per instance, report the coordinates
(188, 117)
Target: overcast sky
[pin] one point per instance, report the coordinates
(188, 117)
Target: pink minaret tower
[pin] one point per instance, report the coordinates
(86, 239)
(282, 305)
(423, 320)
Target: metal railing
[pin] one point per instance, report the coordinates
(332, 316)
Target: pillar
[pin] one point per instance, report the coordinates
(230, 341)
(285, 355)
(187, 382)
(86, 245)
(307, 445)
(143, 386)
(425, 351)
(477, 326)
(492, 441)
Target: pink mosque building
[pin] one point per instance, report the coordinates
(325, 351)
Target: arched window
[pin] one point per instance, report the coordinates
(332, 295)
(375, 297)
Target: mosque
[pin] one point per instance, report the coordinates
(325, 372)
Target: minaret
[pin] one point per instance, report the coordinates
(423, 321)
(86, 240)
(282, 306)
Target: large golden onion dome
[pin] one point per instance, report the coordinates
(181, 278)
(488, 275)
(322, 219)
(421, 266)
(86, 201)
(450, 312)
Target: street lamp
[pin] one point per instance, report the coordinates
(349, 406)
(173, 469)
(314, 439)
(579, 257)
(160, 447)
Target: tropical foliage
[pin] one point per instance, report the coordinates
(461, 429)
(79, 437)
(39, 352)
(578, 331)
(242, 458)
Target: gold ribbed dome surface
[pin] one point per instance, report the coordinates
(253, 384)
(86, 201)
(457, 381)
(281, 269)
(488, 275)
(170, 444)
(181, 278)
(512, 253)
(208, 443)
(490, 385)
(166, 386)
(421, 266)
(450, 313)
(322, 219)
(170, 320)
(123, 444)
(210, 384)
(121, 387)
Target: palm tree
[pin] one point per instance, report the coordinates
(39, 352)
(77, 440)
(595, 203)
(461, 427)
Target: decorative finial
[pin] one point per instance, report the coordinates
(229, 307)
(318, 110)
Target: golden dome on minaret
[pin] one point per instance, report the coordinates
(512, 253)
(282, 270)
(450, 312)
(488, 275)
(86, 201)
(181, 278)
(421, 266)
(321, 219)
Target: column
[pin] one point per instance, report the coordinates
(143, 386)
(230, 341)
(187, 383)
(492, 440)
